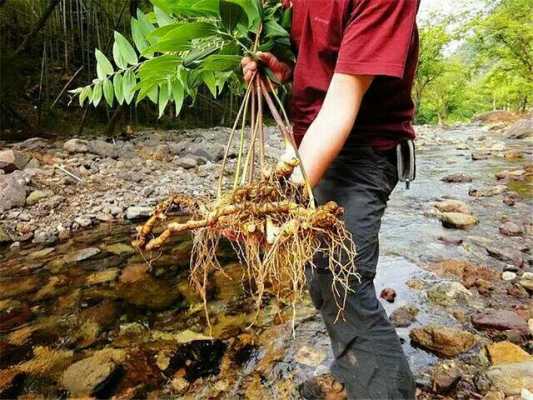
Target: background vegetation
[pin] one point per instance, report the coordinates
(475, 62)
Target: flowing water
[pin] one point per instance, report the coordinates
(95, 293)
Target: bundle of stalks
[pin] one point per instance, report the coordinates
(273, 224)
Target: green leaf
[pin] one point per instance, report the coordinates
(253, 12)
(153, 94)
(138, 35)
(178, 94)
(179, 38)
(273, 29)
(221, 63)
(109, 92)
(231, 14)
(162, 17)
(210, 81)
(125, 49)
(164, 97)
(119, 88)
(128, 84)
(118, 57)
(86, 93)
(103, 66)
(96, 96)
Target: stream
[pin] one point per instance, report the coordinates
(92, 317)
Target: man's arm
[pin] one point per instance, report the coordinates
(326, 136)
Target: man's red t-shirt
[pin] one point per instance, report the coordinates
(360, 37)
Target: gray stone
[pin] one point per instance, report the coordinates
(5, 237)
(522, 129)
(508, 276)
(12, 191)
(510, 229)
(187, 162)
(83, 221)
(11, 160)
(138, 212)
(103, 149)
(81, 255)
(76, 146)
(45, 236)
(210, 151)
(507, 255)
(457, 178)
(33, 164)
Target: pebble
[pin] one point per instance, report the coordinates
(508, 276)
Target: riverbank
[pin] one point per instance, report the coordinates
(75, 297)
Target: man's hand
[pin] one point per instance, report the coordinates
(250, 67)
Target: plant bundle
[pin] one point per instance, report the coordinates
(273, 224)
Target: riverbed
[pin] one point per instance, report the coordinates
(85, 314)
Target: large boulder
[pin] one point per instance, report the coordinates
(210, 151)
(443, 341)
(12, 190)
(103, 149)
(87, 376)
(501, 320)
(11, 160)
(76, 146)
(456, 220)
(494, 117)
(511, 378)
(506, 352)
(522, 129)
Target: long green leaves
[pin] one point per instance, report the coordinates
(182, 45)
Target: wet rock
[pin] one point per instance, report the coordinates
(507, 255)
(76, 146)
(36, 196)
(443, 341)
(453, 240)
(452, 206)
(33, 164)
(388, 294)
(506, 352)
(526, 281)
(470, 275)
(510, 229)
(445, 376)
(5, 237)
(513, 155)
(89, 375)
(456, 220)
(139, 288)
(481, 155)
(514, 174)
(55, 286)
(522, 129)
(310, 357)
(9, 379)
(13, 316)
(187, 162)
(499, 320)
(105, 276)
(518, 292)
(83, 221)
(46, 235)
(47, 362)
(119, 249)
(12, 191)
(41, 253)
(135, 212)
(457, 178)
(511, 378)
(404, 316)
(493, 395)
(508, 276)
(487, 192)
(449, 293)
(11, 160)
(81, 255)
(102, 149)
(15, 287)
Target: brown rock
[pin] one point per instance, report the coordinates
(443, 341)
(388, 294)
(11, 160)
(510, 229)
(506, 352)
(445, 377)
(404, 316)
(455, 220)
(457, 178)
(454, 206)
(499, 320)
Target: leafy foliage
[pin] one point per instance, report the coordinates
(184, 44)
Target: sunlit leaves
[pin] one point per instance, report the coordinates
(129, 82)
(123, 52)
(118, 88)
(103, 66)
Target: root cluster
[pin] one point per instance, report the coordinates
(273, 224)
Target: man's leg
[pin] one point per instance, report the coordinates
(369, 357)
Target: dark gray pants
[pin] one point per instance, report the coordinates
(369, 358)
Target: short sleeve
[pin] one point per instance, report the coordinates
(377, 38)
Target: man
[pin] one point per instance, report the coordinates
(351, 107)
